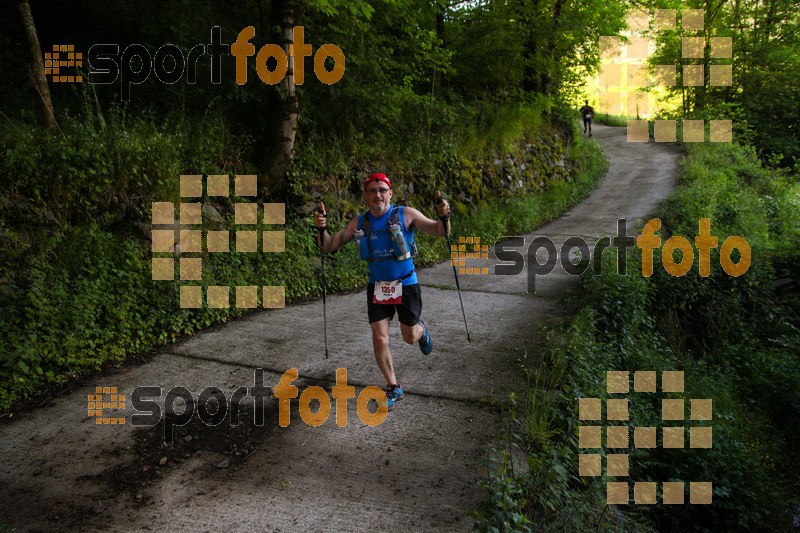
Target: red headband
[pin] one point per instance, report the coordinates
(376, 177)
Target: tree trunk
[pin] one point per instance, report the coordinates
(529, 74)
(47, 118)
(289, 107)
(538, 74)
(547, 76)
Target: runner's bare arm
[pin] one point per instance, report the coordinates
(338, 240)
(415, 219)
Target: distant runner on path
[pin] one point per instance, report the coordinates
(587, 113)
(385, 236)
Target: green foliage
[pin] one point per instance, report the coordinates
(75, 288)
(557, 40)
(613, 120)
(734, 339)
(86, 300)
(80, 305)
(545, 492)
(728, 184)
(763, 96)
(100, 166)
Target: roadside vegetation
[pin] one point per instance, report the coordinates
(619, 121)
(735, 338)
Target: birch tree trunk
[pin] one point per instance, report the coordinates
(289, 105)
(47, 118)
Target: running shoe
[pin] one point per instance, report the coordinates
(425, 342)
(394, 393)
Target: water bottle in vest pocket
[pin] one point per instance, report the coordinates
(399, 242)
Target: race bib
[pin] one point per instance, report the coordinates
(388, 292)
(587, 115)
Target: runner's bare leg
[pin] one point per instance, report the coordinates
(411, 334)
(380, 342)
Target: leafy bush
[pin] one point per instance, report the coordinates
(96, 166)
(733, 337)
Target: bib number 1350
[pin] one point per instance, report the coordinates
(388, 292)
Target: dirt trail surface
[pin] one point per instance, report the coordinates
(417, 471)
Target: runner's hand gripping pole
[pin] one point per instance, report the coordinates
(321, 235)
(444, 220)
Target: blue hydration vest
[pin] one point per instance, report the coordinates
(377, 249)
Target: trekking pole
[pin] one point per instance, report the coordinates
(455, 270)
(320, 231)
